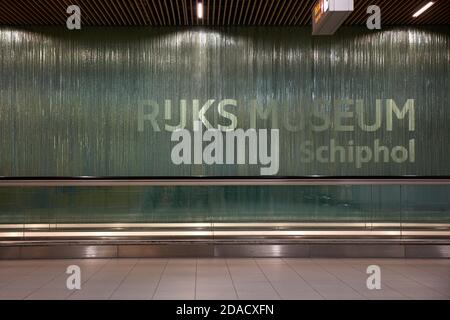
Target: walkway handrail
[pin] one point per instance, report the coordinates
(220, 181)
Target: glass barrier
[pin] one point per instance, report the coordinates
(362, 210)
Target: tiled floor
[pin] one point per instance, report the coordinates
(225, 279)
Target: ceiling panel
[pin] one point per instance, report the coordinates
(216, 12)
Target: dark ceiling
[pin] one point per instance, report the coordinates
(216, 12)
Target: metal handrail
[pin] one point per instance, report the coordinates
(220, 181)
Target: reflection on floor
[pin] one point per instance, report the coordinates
(225, 279)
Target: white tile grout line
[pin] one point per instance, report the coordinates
(160, 277)
(447, 294)
(434, 273)
(408, 296)
(383, 284)
(343, 282)
(232, 281)
(85, 281)
(419, 283)
(195, 285)
(34, 268)
(37, 289)
(123, 279)
(265, 276)
(299, 275)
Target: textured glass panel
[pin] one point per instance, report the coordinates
(430, 205)
(69, 100)
(387, 203)
(366, 204)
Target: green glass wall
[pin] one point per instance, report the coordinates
(363, 203)
(69, 101)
